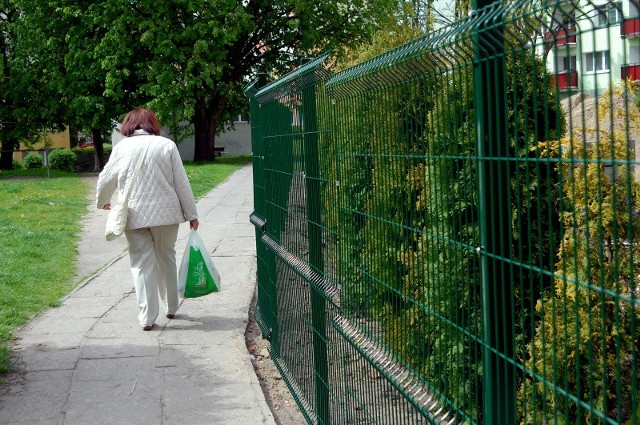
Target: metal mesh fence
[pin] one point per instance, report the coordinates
(448, 232)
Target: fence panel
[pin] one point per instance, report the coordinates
(448, 232)
(408, 258)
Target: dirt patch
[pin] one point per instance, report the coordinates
(283, 406)
(582, 113)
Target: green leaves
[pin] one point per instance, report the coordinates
(591, 311)
(188, 59)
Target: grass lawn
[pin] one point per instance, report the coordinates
(38, 213)
(203, 177)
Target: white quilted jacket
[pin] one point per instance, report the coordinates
(161, 194)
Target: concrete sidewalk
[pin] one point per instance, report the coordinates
(89, 362)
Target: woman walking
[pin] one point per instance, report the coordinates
(161, 199)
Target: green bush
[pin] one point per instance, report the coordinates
(586, 333)
(106, 147)
(62, 159)
(33, 160)
(410, 213)
(17, 165)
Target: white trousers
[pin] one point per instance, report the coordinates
(152, 253)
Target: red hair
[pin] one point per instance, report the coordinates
(140, 119)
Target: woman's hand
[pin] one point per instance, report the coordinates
(106, 207)
(194, 224)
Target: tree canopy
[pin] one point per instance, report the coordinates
(28, 102)
(86, 64)
(56, 71)
(202, 53)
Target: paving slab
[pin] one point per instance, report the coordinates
(88, 362)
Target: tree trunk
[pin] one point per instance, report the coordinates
(6, 156)
(205, 121)
(73, 137)
(99, 149)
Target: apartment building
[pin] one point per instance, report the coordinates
(591, 44)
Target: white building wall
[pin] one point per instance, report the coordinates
(592, 39)
(235, 142)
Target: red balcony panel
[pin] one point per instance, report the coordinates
(561, 37)
(565, 80)
(566, 37)
(631, 72)
(630, 27)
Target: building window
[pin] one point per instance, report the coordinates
(567, 63)
(563, 21)
(609, 14)
(597, 61)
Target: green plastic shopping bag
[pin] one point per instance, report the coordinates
(197, 276)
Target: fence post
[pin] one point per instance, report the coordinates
(314, 228)
(494, 216)
(266, 306)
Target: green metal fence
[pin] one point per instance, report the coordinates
(449, 232)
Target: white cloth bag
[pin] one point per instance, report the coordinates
(117, 218)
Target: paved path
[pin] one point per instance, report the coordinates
(88, 361)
